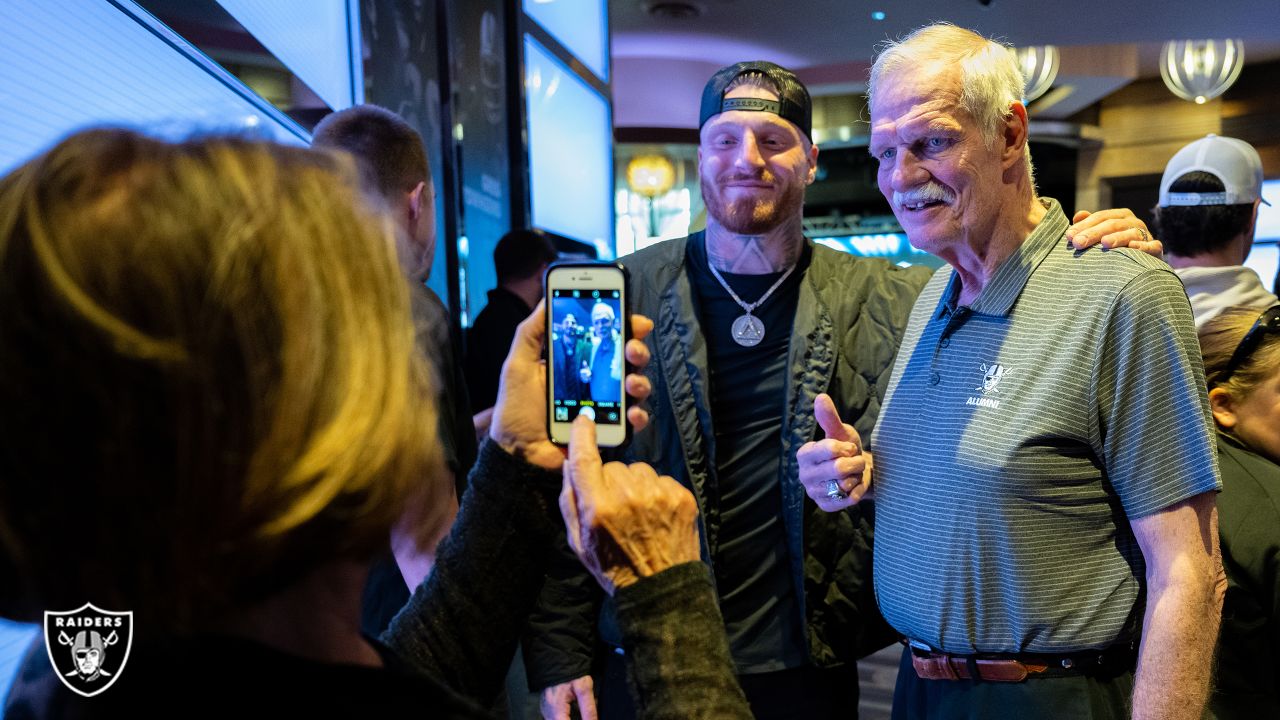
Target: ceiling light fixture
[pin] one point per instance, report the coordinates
(1039, 67)
(1199, 70)
(878, 15)
(674, 9)
(650, 175)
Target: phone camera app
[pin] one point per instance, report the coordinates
(586, 354)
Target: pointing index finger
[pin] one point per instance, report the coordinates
(584, 455)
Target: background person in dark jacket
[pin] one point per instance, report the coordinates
(1242, 367)
(520, 258)
(394, 173)
(569, 352)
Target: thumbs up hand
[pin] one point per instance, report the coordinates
(835, 472)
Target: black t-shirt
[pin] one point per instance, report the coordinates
(748, 397)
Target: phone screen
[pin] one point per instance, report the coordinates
(586, 307)
(586, 352)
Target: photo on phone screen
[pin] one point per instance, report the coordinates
(585, 361)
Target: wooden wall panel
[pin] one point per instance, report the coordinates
(1144, 124)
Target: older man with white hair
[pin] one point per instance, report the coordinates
(1045, 473)
(603, 373)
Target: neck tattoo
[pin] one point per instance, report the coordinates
(748, 330)
(747, 255)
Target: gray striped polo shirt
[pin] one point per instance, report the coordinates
(1018, 436)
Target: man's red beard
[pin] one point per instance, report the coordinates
(751, 216)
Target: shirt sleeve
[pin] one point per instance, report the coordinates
(1152, 406)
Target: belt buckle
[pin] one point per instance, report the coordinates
(920, 648)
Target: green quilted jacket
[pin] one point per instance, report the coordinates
(849, 322)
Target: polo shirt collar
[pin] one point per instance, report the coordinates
(1006, 285)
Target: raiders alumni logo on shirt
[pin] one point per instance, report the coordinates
(88, 646)
(991, 376)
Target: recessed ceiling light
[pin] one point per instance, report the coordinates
(674, 9)
(878, 15)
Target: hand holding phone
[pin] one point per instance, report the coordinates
(586, 305)
(519, 420)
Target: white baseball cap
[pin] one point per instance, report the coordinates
(1232, 161)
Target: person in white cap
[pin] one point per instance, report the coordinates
(1208, 208)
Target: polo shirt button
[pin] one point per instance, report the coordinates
(945, 342)
(934, 379)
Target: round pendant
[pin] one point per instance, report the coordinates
(748, 330)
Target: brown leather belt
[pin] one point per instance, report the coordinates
(941, 666)
(935, 665)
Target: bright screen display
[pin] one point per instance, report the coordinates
(1269, 215)
(581, 26)
(71, 64)
(893, 247)
(1264, 259)
(15, 638)
(314, 38)
(570, 152)
(586, 354)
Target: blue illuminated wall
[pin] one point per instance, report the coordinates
(893, 247)
(570, 151)
(316, 39)
(580, 25)
(74, 63)
(15, 638)
(542, 67)
(1265, 256)
(483, 116)
(70, 64)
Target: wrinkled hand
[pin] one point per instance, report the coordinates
(624, 521)
(1113, 228)
(839, 457)
(519, 421)
(558, 699)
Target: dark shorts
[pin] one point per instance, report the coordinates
(1062, 697)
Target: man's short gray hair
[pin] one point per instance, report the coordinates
(603, 307)
(990, 80)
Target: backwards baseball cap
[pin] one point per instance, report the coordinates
(793, 101)
(1234, 162)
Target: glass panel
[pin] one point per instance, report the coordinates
(570, 152)
(582, 26)
(311, 37)
(1269, 215)
(15, 638)
(303, 81)
(1264, 259)
(76, 63)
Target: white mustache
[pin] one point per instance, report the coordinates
(929, 192)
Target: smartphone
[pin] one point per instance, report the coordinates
(588, 324)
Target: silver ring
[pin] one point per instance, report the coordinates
(834, 492)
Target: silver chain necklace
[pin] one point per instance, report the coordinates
(748, 330)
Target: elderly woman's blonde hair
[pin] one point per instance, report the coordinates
(208, 380)
(990, 80)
